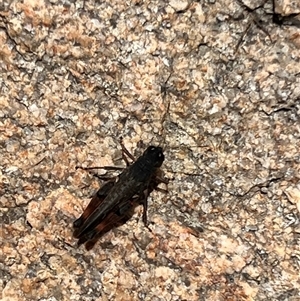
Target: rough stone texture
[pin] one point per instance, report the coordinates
(216, 83)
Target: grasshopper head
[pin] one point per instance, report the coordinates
(154, 155)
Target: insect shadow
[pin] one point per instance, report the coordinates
(114, 203)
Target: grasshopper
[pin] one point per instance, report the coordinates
(114, 202)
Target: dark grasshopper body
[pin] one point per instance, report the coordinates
(114, 202)
(118, 216)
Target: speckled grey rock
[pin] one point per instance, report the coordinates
(216, 83)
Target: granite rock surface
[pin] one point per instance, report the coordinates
(215, 83)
